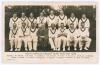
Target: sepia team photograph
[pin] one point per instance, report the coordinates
(48, 28)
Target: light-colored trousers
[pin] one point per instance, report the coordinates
(25, 39)
(86, 41)
(70, 40)
(53, 42)
(63, 39)
(33, 39)
(13, 41)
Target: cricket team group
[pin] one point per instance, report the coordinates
(61, 30)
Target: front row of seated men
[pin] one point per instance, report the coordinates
(69, 37)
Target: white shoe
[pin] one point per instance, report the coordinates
(85, 48)
(80, 49)
(54, 49)
(58, 49)
(15, 49)
(26, 49)
(75, 49)
(35, 49)
(18, 49)
(30, 49)
(68, 49)
(63, 49)
(11, 49)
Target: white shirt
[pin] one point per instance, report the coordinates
(26, 29)
(33, 31)
(83, 32)
(74, 21)
(13, 21)
(52, 19)
(41, 20)
(72, 33)
(62, 31)
(53, 32)
(86, 21)
(62, 19)
(32, 20)
(27, 32)
(11, 25)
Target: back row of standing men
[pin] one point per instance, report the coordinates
(26, 30)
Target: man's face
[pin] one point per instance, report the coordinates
(23, 24)
(14, 15)
(72, 15)
(32, 25)
(14, 26)
(51, 12)
(31, 15)
(62, 25)
(83, 16)
(23, 14)
(61, 12)
(41, 14)
(43, 27)
(72, 26)
(52, 25)
(83, 25)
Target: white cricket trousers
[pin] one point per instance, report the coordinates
(53, 42)
(33, 39)
(70, 40)
(86, 40)
(13, 41)
(25, 39)
(63, 39)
